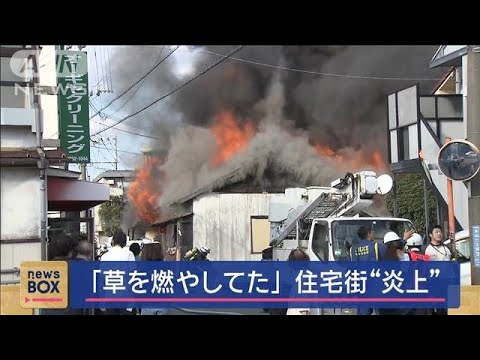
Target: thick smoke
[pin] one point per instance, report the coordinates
(290, 109)
(276, 145)
(327, 106)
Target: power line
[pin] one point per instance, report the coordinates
(109, 69)
(135, 83)
(238, 48)
(96, 66)
(123, 151)
(100, 153)
(317, 72)
(123, 130)
(139, 86)
(130, 132)
(105, 146)
(138, 134)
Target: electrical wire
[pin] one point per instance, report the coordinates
(176, 89)
(136, 82)
(317, 72)
(122, 151)
(138, 88)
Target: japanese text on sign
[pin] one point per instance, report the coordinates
(254, 284)
(73, 105)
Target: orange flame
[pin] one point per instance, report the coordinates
(145, 190)
(326, 151)
(230, 135)
(377, 161)
(356, 161)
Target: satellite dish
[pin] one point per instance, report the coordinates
(459, 160)
(384, 184)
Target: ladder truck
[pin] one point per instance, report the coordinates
(324, 221)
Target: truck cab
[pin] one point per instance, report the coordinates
(331, 239)
(324, 221)
(462, 244)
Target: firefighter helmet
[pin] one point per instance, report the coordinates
(390, 236)
(415, 240)
(205, 250)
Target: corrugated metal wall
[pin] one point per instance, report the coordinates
(222, 222)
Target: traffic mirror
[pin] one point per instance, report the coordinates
(459, 160)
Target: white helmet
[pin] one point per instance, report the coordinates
(390, 236)
(415, 240)
(204, 250)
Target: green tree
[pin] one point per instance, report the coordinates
(410, 201)
(111, 214)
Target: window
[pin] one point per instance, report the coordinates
(260, 235)
(403, 141)
(320, 240)
(450, 107)
(344, 233)
(407, 106)
(463, 250)
(427, 106)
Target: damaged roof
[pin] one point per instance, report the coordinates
(215, 185)
(173, 212)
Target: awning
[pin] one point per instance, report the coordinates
(75, 195)
(31, 157)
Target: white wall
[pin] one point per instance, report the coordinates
(222, 222)
(12, 256)
(20, 203)
(15, 138)
(48, 77)
(17, 117)
(20, 216)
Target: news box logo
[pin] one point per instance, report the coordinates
(44, 284)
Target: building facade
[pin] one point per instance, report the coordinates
(34, 181)
(419, 124)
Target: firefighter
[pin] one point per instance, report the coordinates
(367, 249)
(414, 244)
(197, 254)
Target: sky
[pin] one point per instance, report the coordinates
(100, 63)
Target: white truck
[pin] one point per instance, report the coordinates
(324, 220)
(462, 242)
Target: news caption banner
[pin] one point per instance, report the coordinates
(44, 284)
(262, 284)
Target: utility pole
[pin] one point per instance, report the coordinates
(83, 171)
(116, 153)
(473, 135)
(43, 162)
(83, 176)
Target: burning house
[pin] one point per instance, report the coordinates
(225, 207)
(230, 140)
(229, 217)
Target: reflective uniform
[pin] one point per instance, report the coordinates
(366, 250)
